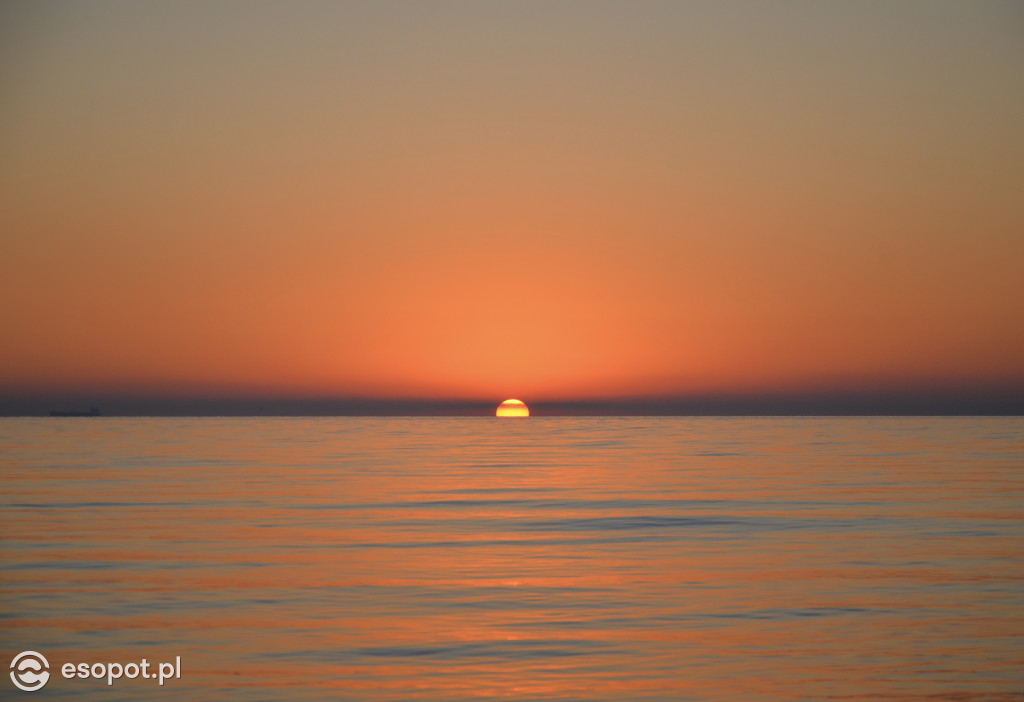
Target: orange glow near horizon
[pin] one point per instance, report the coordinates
(351, 202)
(512, 408)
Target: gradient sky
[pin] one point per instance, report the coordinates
(498, 199)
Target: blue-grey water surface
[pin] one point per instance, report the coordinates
(432, 559)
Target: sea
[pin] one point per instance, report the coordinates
(549, 558)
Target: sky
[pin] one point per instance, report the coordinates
(481, 200)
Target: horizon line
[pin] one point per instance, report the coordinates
(1007, 401)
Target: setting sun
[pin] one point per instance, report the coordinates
(512, 408)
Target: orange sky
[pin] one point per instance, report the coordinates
(526, 200)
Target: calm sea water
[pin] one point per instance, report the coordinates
(540, 559)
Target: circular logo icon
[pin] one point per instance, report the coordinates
(30, 671)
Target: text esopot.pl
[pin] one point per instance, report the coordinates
(114, 671)
(30, 671)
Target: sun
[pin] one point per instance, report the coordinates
(512, 408)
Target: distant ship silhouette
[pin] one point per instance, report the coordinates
(93, 412)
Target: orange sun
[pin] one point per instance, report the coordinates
(512, 408)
